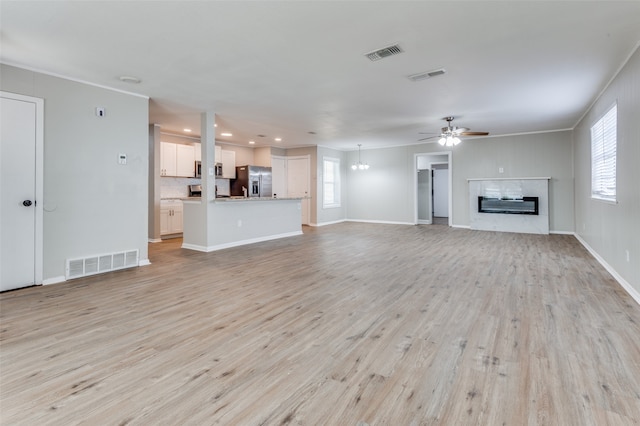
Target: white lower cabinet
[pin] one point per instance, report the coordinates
(170, 217)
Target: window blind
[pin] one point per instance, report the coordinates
(331, 182)
(603, 156)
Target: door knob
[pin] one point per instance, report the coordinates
(26, 203)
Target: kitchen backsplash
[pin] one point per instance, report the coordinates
(171, 187)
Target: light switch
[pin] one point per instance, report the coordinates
(210, 171)
(501, 170)
(100, 111)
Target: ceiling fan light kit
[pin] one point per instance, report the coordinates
(450, 135)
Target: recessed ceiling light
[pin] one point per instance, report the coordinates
(252, 142)
(215, 125)
(278, 139)
(129, 79)
(187, 130)
(226, 134)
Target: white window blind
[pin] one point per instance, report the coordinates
(603, 156)
(331, 182)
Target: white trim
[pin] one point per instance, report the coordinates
(144, 262)
(384, 222)
(512, 178)
(461, 226)
(424, 222)
(562, 232)
(606, 86)
(73, 79)
(39, 181)
(155, 240)
(625, 285)
(328, 223)
(54, 280)
(208, 249)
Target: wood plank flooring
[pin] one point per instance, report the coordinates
(348, 324)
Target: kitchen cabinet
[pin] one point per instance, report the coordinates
(177, 160)
(185, 161)
(171, 217)
(228, 164)
(228, 160)
(198, 151)
(168, 159)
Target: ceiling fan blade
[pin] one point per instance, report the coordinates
(459, 130)
(427, 133)
(430, 137)
(473, 133)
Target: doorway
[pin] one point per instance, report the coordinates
(433, 194)
(21, 190)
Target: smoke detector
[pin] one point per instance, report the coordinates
(384, 52)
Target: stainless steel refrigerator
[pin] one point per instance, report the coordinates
(252, 181)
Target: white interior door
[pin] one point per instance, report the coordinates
(298, 182)
(20, 216)
(441, 192)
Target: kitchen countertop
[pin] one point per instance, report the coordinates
(239, 199)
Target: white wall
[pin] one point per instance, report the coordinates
(612, 229)
(92, 205)
(385, 191)
(535, 155)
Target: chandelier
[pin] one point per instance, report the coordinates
(359, 165)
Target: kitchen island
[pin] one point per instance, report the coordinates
(233, 221)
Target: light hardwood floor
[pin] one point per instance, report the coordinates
(348, 324)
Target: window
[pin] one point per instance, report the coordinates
(331, 183)
(603, 156)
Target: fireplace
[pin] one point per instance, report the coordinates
(521, 205)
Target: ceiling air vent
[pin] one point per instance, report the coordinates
(424, 75)
(384, 52)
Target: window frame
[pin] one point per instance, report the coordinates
(335, 182)
(604, 156)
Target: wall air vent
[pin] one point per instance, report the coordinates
(424, 75)
(92, 265)
(384, 52)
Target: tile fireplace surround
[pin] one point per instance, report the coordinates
(510, 188)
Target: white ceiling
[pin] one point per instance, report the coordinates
(287, 68)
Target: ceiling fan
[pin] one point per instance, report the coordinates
(451, 134)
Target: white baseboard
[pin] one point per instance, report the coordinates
(155, 240)
(328, 223)
(144, 262)
(461, 226)
(54, 280)
(385, 222)
(562, 232)
(628, 288)
(240, 243)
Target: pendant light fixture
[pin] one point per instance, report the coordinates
(359, 165)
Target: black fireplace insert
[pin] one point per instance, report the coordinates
(523, 205)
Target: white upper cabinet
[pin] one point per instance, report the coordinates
(177, 160)
(185, 161)
(228, 164)
(198, 148)
(168, 159)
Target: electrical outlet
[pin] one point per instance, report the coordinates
(122, 159)
(500, 169)
(100, 111)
